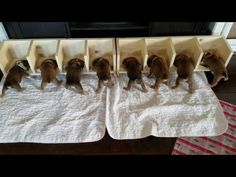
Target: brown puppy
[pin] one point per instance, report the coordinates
(49, 72)
(134, 73)
(16, 74)
(73, 70)
(185, 67)
(102, 67)
(159, 68)
(216, 65)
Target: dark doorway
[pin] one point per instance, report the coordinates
(20, 30)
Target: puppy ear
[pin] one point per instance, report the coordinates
(107, 61)
(179, 58)
(82, 63)
(26, 64)
(137, 63)
(55, 63)
(149, 61)
(124, 61)
(176, 61)
(95, 62)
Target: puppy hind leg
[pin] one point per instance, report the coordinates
(177, 83)
(43, 84)
(156, 85)
(167, 82)
(100, 85)
(129, 85)
(79, 87)
(57, 82)
(110, 83)
(190, 85)
(216, 79)
(18, 87)
(166, 79)
(150, 74)
(144, 89)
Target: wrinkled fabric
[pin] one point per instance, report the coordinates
(166, 113)
(56, 115)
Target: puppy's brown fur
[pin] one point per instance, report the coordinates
(48, 70)
(134, 73)
(216, 65)
(185, 67)
(159, 68)
(103, 69)
(73, 70)
(15, 76)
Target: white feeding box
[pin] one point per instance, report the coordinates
(69, 49)
(104, 47)
(130, 47)
(218, 45)
(48, 48)
(162, 47)
(190, 47)
(12, 51)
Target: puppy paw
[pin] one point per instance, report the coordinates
(145, 90)
(81, 92)
(41, 89)
(98, 90)
(174, 87)
(153, 87)
(110, 85)
(191, 91)
(21, 89)
(126, 88)
(85, 92)
(226, 78)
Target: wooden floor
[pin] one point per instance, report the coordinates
(108, 146)
(227, 90)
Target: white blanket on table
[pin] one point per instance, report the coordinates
(166, 113)
(56, 115)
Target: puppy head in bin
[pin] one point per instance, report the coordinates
(76, 63)
(206, 56)
(50, 61)
(100, 63)
(150, 59)
(23, 64)
(182, 59)
(131, 62)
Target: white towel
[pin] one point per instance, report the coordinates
(57, 115)
(166, 113)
